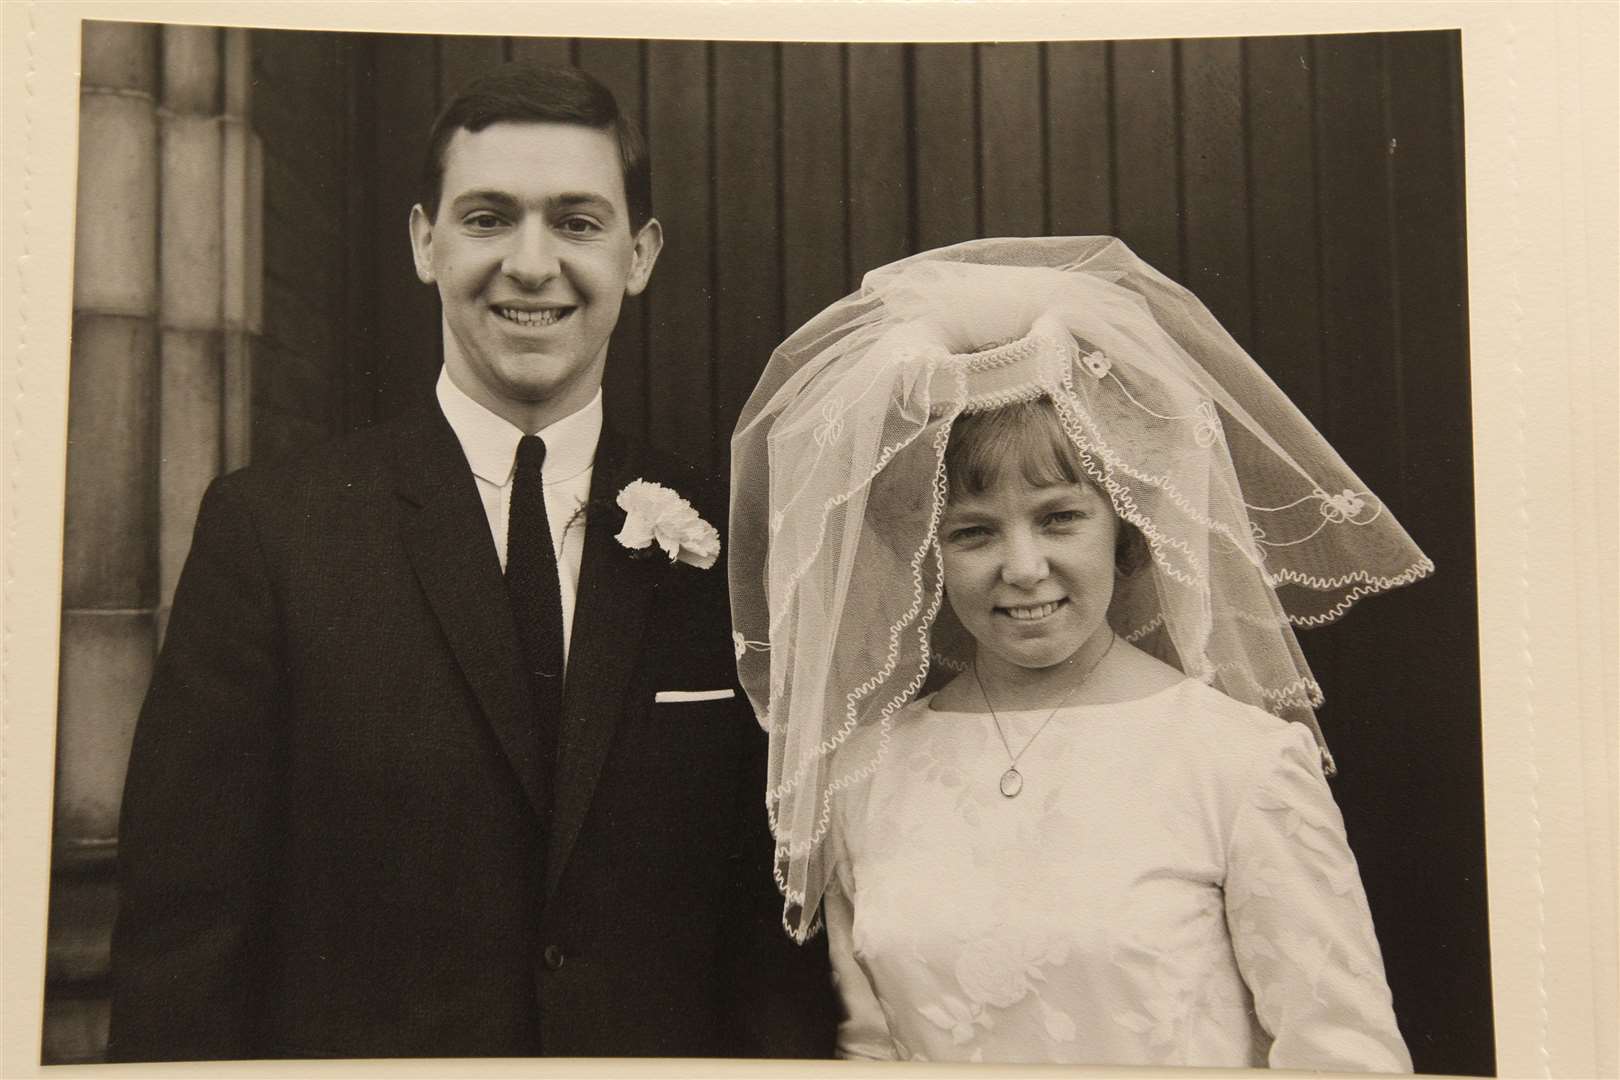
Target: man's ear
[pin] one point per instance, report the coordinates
(422, 244)
(649, 242)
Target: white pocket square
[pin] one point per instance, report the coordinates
(693, 695)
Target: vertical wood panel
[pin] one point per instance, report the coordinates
(1358, 333)
(1286, 330)
(1373, 714)
(879, 181)
(1080, 180)
(618, 66)
(463, 59)
(1430, 263)
(1215, 185)
(748, 271)
(1426, 132)
(359, 222)
(406, 350)
(1147, 207)
(679, 373)
(1011, 140)
(1355, 303)
(556, 51)
(947, 145)
(815, 248)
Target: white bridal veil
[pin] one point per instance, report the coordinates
(1253, 523)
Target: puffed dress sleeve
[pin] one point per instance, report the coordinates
(1300, 925)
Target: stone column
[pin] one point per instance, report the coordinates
(109, 573)
(191, 253)
(166, 297)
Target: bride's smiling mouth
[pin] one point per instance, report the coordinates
(550, 316)
(1034, 612)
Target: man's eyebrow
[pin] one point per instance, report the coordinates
(491, 196)
(565, 200)
(569, 200)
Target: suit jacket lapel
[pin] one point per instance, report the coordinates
(446, 535)
(610, 616)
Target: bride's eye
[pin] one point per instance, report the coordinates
(1061, 518)
(967, 534)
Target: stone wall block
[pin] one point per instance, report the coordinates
(109, 557)
(237, 48)
(189, 443)
(79, 940)
(192, 222)
(120, 56)
(191, 63)
(106, 664)
(115, 231)
(75, 1030)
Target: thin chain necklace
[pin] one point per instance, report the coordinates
(1012, 781)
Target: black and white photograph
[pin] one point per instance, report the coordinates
(634, 547)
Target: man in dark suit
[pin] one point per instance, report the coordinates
(444, 753)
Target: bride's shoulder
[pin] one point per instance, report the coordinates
(1227, 734)
(1143, 673)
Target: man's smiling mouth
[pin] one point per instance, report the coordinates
(543, 317)
(1033, 612)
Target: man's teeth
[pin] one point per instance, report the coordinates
(532, 318)
(1029, 614)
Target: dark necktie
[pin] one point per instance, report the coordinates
(536, 596)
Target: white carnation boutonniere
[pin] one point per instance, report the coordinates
(653, 514)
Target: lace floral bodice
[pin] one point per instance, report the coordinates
(1172, 886)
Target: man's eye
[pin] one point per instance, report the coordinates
(483, 221)
(579, 226)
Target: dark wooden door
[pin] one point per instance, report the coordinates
(1308, 189)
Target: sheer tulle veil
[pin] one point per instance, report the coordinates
(1253, 524)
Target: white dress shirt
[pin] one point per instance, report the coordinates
(490, 444)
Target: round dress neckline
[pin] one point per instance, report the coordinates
(928, 704)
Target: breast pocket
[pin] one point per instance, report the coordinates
(689, 697)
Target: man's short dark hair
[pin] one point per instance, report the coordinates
(539, 93)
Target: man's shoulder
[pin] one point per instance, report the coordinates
(352, 462)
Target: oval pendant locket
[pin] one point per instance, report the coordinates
(1012, 782)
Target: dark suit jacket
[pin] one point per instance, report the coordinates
(332, 838)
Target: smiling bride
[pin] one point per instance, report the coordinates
(1040, 472)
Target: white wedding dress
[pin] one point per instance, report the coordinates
(1172, 886)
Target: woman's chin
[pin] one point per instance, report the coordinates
(1033, 662)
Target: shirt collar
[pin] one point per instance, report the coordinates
(490, 442)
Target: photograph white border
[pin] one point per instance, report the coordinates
(1540, 109)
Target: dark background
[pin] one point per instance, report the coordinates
(1308, 189)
